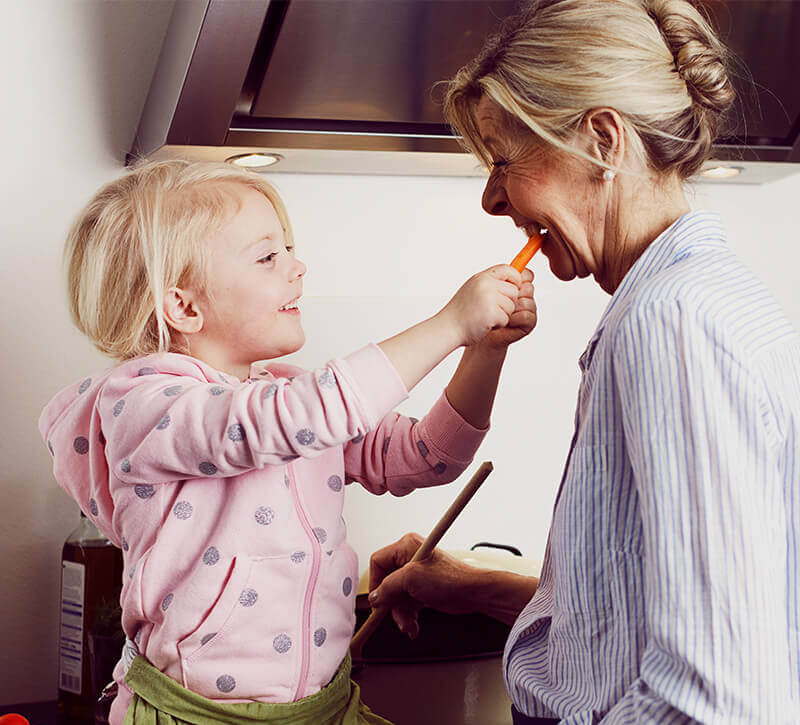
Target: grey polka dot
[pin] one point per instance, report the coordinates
(211, 556)
(182, 510)
(225, 683)
(327, 379)
(305, 437)
(236, 432)
(282, 643)
(207, 468)
(101, 438)
(286, 481)
(125, 546)
(286, 459)
(118, 406)
(386, 444)
(50, 448)
(207, 638)
(125, 466)
(172, 390)
(347, 586)
(335, 483)
(93, 507)
(81, 445)
(298, 557)
(414, 421)
(132, 572)
(329, 552)
(270, 391)
(264, 515)
(321, 534)
(216, 390)
(423, 449)
(166, 601)
(143, 490)
(164, 422)
(319, 636)
(358, 438)
(85, 385)
(440, 467)
(248, 597)
(146, 371)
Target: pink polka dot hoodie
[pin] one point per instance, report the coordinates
(226, 499)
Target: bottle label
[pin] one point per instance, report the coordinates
(70, 661)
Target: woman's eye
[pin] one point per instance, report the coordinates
(289, 247)
(267, 259)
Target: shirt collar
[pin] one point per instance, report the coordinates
(691, 232)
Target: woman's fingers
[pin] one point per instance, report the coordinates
(392, 557)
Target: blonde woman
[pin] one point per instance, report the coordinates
(669, 590)
(219, 470)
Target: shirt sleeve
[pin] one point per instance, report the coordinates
(714, 525)
(167, 426)
(404, 453)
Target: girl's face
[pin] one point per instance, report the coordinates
(253, 287)
(539, 189)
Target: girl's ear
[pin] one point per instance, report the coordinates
(182, 311)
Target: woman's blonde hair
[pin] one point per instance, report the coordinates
(658, 63)
(142, 234)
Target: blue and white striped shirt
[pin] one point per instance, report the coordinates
(670, 587)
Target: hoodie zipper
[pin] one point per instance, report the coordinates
(316, 556)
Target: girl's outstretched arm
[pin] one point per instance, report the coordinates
(484, 303)
(473, 386)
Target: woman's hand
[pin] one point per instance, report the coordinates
(439, 581)
(444, 583)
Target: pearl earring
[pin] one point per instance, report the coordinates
(608, 175)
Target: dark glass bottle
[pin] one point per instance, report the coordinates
(90, 635)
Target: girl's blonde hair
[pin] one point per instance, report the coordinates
(142, 234)
(658, 63)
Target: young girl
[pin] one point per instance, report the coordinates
(221, 477)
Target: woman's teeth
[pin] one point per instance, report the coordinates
(289, 306)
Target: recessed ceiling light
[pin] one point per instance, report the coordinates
(255, 161)
(721, 172)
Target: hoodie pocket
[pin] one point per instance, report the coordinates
(221, 613)
(249, 646)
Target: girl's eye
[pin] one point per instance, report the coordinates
(268, 258)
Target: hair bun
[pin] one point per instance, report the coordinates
(700, 59)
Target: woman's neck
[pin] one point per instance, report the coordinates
(640, 213)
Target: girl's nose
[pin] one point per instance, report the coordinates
(494, 200)
(298, 269)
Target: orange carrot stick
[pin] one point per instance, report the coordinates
(526, 253)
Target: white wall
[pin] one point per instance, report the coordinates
(383, 252)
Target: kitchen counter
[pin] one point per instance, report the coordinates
(38, 713)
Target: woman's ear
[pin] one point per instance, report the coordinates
(182, 311)
(605, 132)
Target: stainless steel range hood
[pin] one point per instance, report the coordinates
(350, 86)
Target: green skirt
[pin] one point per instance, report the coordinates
(160, 700)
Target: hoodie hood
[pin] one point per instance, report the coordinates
(70, 426)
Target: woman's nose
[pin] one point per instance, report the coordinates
(494, 199)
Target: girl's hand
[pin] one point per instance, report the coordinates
(484, 302)
(522, 320)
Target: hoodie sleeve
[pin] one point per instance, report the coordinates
(402, 453)
(171, 424)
